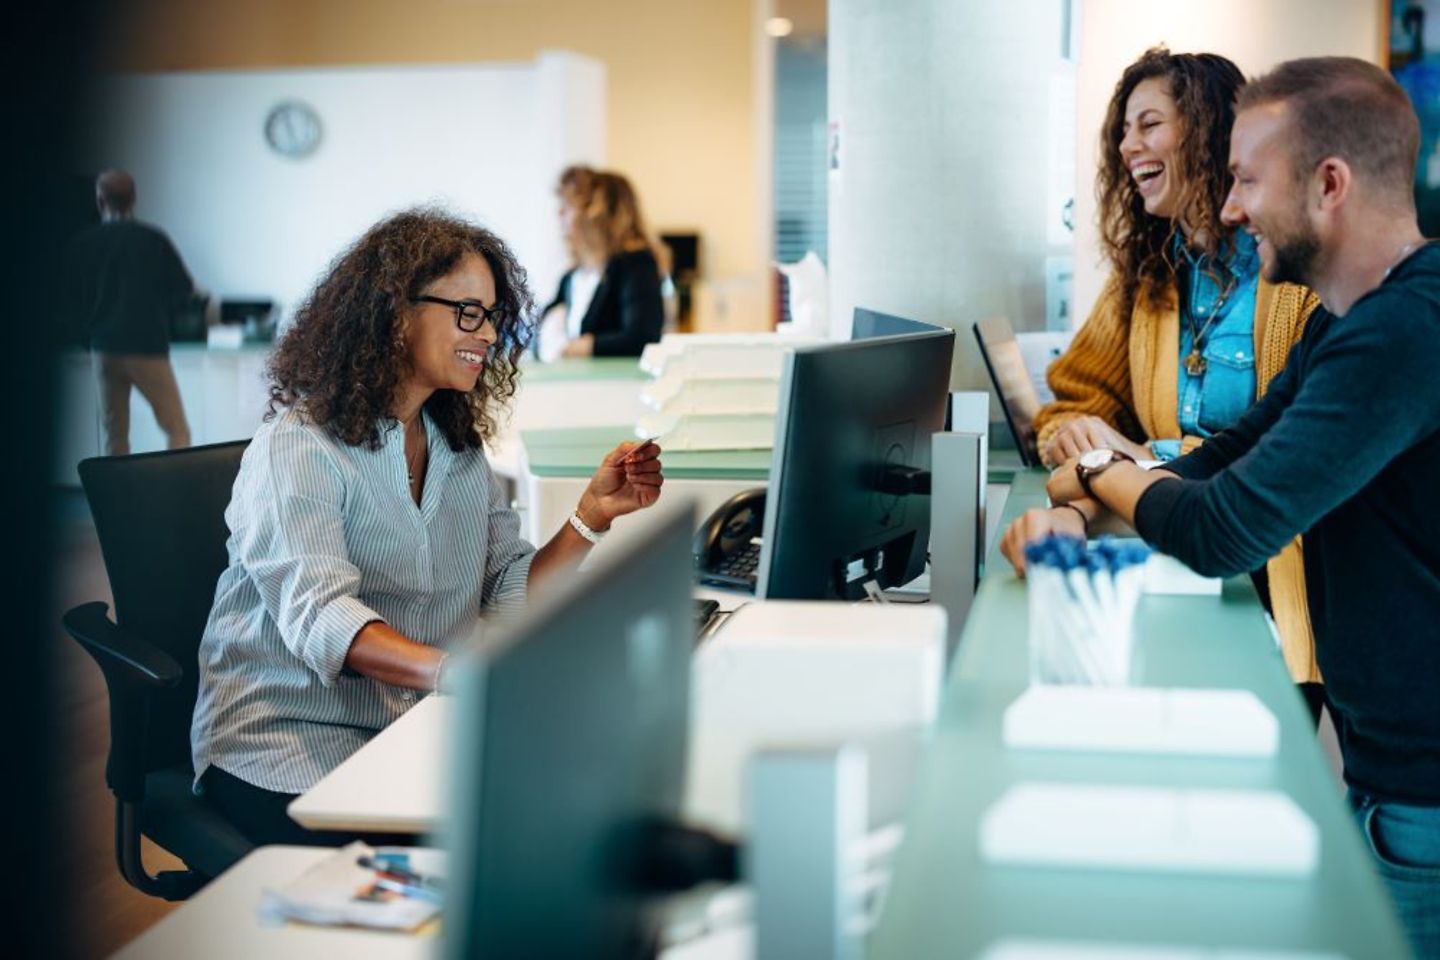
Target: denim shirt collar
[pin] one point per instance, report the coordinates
(1238, 256)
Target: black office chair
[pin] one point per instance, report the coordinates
(160, 520)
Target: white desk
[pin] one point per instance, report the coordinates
(395, 783)
(222, 921)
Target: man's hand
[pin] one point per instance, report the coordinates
(1034, 525)
(1091, 433)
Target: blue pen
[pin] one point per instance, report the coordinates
(407, 889)
(396, 867)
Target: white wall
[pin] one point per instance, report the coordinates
(1255, 35)
(486, 141)
(939, 208)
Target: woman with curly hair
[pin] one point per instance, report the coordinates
(367, 532)
(1185, 335)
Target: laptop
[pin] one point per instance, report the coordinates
(1008, 375)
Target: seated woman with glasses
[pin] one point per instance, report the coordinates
(610, 303)
(368, 535)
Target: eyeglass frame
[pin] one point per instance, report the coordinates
(496, 314)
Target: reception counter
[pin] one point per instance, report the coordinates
(946, 900)
(223, 390)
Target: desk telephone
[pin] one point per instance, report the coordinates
(727, 545)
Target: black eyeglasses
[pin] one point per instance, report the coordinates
(470, 315)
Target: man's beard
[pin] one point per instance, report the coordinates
(1295, 255)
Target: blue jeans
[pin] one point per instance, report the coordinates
(1405, 843)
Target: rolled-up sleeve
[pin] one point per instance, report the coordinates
(294, 550)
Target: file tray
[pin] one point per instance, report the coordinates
(1153, 829)
(720, 354)
(739, 431)
(1224, 723)
(676, 395)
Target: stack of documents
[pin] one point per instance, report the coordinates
(398, 890)
(1150, 828)
(1178, 720)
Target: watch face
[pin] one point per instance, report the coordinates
(1091, 459)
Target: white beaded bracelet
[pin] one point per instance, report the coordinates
(439, 670)
(582, 528)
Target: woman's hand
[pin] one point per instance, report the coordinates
(581, 346)
(1091, 433)
(629, 479)
(1034, 525)
(1064, 485)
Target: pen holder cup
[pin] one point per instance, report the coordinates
(1082, 612)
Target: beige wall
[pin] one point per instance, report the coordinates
(683, 81)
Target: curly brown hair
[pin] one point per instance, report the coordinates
(344, 357)
(1139, 246)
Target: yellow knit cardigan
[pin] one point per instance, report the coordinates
(1127, 374)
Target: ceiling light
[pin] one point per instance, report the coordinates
(779, 26)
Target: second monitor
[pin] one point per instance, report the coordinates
(849, 496)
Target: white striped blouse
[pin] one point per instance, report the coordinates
(325, 538)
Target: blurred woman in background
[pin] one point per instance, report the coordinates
(610, 301)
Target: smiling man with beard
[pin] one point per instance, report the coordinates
(1344, 448)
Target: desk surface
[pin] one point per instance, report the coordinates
(944, 900)
(222, 921)
(394, 784)
(582, 368)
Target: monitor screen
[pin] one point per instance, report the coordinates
(569, 739)
(849, 498)
(867, 324)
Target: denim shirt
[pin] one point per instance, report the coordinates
(1215, 399)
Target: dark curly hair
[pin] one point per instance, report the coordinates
(344, 358)
(1139, 246)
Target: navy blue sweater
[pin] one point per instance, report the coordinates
(1344, 448)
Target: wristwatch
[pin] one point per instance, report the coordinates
(1096, 461)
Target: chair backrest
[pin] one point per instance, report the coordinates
(160, 518)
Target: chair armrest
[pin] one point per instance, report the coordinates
(121, 655)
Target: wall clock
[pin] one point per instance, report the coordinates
(292, 129)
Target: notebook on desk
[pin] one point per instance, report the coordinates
(1015, 389)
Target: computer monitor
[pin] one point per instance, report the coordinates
(569, 741)
(849, 496)
(867, 324)
(1008, 375)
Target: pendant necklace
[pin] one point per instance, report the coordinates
(412, 459)
(1195, 362)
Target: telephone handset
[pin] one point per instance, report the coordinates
(727, 545)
